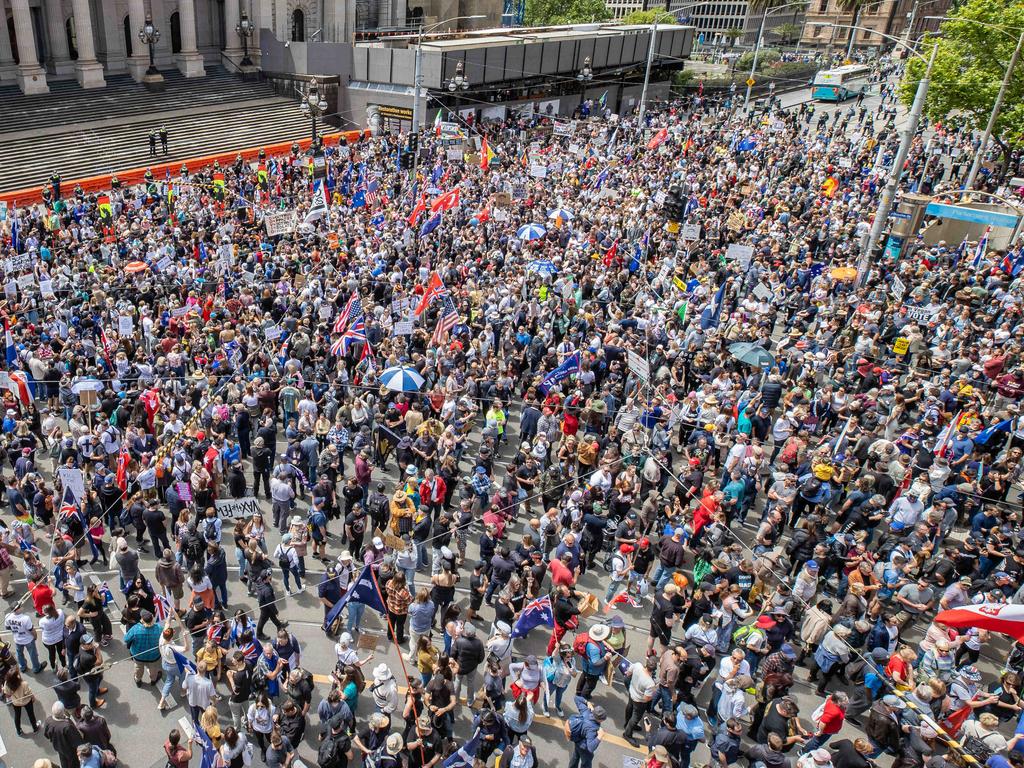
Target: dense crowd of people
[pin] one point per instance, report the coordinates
(576, 447)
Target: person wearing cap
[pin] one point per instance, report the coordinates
(424, 747)
(584, 731)
(815, 758)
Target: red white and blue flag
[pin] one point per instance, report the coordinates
(161, 607)
(354, 308)
(537, 613)
(449, 319)
(356, 334)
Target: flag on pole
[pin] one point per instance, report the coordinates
(611, 254)
(712, 313)
(354, 308)
(1003, 618)
(980, 249)
(121, 477)
(446, 202)
(418, 210)
(536, 613)
(11, 350)
(486, 154)
(434, 289)
(21, 386)
(363, 591)
(430, 224)
(658, 139)
(162, 609)
(464, 756)
(603, 101)
(568, 367)
(989, 432)
(437, 123)
(946, 435)
(449, 319)
(317, 204)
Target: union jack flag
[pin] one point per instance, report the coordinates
(354, 335)
(354, 308)
(448, 319)
(68, 505)
(161, 607)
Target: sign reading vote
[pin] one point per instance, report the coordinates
(236, 509)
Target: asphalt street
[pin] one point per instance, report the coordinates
(139, 729)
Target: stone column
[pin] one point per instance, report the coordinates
(190, 61)
(282, 21)
(8, 69)
(138, 62)
(31, 76)
(88, 70)
(59, 58)
(232, 43)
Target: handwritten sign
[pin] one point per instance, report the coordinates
(403, 328)
(901, 345)
(272, 332)
(71, 478)
(184, 491)
(762, 292)
(690, 232)
(25, 282)
(237, 509)
(280, 223)
(897, 288)
(539, 171)
(740, 253)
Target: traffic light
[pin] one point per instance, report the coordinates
(414, 139)
(674, 206)
(407, 161)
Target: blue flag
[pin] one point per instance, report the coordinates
(430, 224)
(568, 367)
(989, 432)
(15, 238)
(359, 198)
(464, 757)
(746, 145)
(536, 613)
(712, 313)
(364, 591)
(184, 663)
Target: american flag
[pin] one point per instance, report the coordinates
(448, 319)
(373, 192)
(354, 308)
(355, 334)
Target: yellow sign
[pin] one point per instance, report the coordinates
(901, 346)
(751, 81)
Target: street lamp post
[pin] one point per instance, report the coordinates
(757, 47)
(910, 131)
(313, 106)
(149, 35)
(994, 115)
(417, 79)
(245, 30)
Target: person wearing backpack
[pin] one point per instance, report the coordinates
(594, 656)
(585, 732)
(336, 749)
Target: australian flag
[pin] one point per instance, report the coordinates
(465, 756)
(568, 367)
(1006, 425)
(363, 591)
(537, 613)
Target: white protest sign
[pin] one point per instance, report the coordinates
(125, 326)
(538, 171)
(762, 292)
(690, 232)
(403, 328)
(71, 477)
(46, 288)
(923, 314)
(179, 311)
(454, 155)
(163, 264)
(280, 223)
(499, 214)
(740, 253)
(272, 332)
(898, 288)
(638, 365)
(659, 197)
(237, 509)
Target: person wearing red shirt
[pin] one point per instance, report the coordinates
(42, 596)
(899, 670)
(561, 574)
(828, 720)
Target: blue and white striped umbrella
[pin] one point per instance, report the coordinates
(530, 232)
(401, 378)
(560, 214)
(542, 267)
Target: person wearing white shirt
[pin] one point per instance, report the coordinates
(51, 627)
(733, 665)
(20, 625)
(642, 688)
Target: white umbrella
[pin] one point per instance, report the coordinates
(401, 378)
(530, 232)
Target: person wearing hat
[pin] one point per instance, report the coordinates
(585, 732)
(594, 661)
(384, 690)
(815, 758)
(425, 745)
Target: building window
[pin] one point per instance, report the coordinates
(298, 26)
(823, 6)
(128, 35)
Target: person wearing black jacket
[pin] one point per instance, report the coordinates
(468, 652)
(217, 570)
(851, 754)
(262, 461)
(268, 606)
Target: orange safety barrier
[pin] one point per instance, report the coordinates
(33, 195)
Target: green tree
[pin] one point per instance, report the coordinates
(733, 34)
(642, 17)
(787, 32)
(542, 13)
(970, 64)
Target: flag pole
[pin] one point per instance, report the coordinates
(401, 658)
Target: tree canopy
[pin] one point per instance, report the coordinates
(540, 13)
(970, 64)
